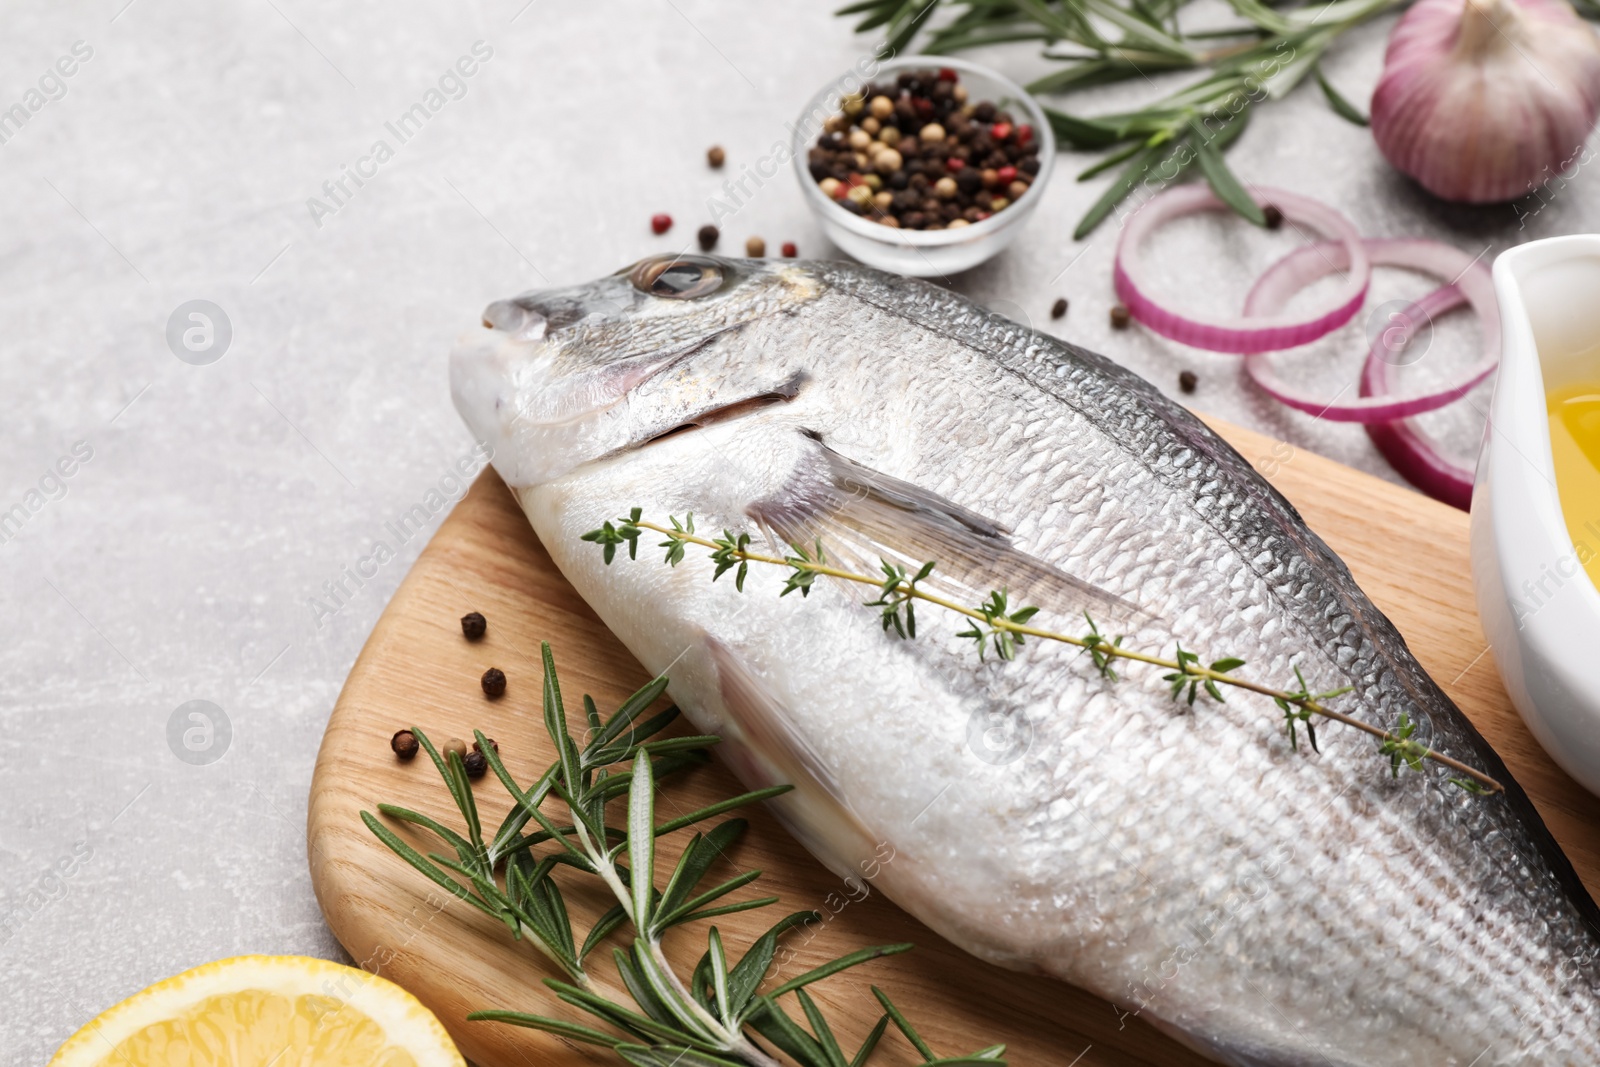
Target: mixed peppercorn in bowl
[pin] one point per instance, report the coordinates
(925, 166)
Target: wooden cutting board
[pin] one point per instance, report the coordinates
(1408, 552)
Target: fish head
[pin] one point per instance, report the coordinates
(558, 378)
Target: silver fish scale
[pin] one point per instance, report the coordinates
(1504, 902)
(1270, 906)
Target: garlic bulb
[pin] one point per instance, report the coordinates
(1485, 100)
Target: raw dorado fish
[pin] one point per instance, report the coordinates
(1264, 905)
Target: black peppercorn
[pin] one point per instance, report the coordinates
(494, 682)
(404, 743)
(1187, 381)
(1120, 317)
(1059, 308)
(475, 764)
(1274, 216)
(473, 625)
(708, 237)
(984, 112)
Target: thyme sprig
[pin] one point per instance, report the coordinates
(651, 1016)
(998, 627)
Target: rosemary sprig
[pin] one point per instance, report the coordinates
(650, 1017)
(996, 626)
(1264, 57)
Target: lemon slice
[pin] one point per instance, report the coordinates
(265, 1011)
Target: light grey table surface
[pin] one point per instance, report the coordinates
(179, 561)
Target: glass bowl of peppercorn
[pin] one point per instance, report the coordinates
(927, 166)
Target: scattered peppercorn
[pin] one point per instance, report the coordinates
(475, 764)
(1120, 317)
(456, 745)
(1187, 381)
(716, 156)
(913, 153)
(1274, 216)
(494, 682)
(660, 224)
(492, 744)
(404, 743)
(473, 625)
(755, 247)
(1059, 308)
(707, 237)
(789, 250)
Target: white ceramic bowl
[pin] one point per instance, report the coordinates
(923, 253)
(1540, 611)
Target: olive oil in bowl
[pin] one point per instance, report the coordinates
(1575, 447)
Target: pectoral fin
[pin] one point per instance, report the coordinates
(766, 747)
(862, 515)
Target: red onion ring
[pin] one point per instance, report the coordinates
(1265, 332)
(1410, 451)
(1305, 265)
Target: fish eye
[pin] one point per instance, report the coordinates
(678, 277)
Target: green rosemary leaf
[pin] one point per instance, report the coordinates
(555, 720)
(665, 991)
(642, 839)
(640, 1026)
(456, 841)
(684, 910)
(821, 1030)
(840, 964)
(719, 976)
(1158, 158)
(901, 1022)
(1087, 72)
(603, 927)
(864, 5)
(549, 893)
(687, 742)
(748, 972)
(726, 909)
(591, 715)
(576, 1031)
(1083, 133)
(964, 1061)
(992, 1053)
(421, 863)
(871, 1043)
(508, 836)
(469, 805)
(697, 857)
(1222, 180)
(1110, 161)
(775, 1025)
(1139, 31)
(643, 994)
(674, 1056)
(443, 768)
(620, 746)
(1341, 107)
(713, 810)
(577, 858)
